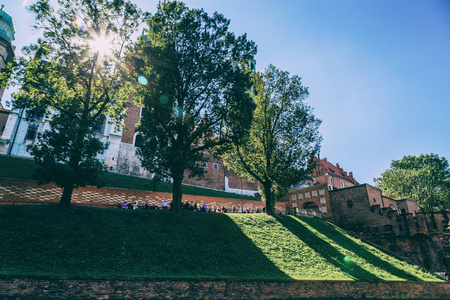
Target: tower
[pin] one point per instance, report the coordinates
(6, 37)
(6, 55)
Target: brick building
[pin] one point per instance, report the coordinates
(395, 225)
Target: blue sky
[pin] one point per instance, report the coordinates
(378, 72)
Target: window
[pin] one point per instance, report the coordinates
(215, 166)
(322, 192)
(138, 140)
(331, 180)
(324, 209)
(323, 200)
(300, 196)
(100, 125)
(374, 200)
(314, 193)
(349, 203)
(31, 132)
(294, 198)
(388, 228)
(142, 111)
(342, 184)
(307, 195)
(204, 165)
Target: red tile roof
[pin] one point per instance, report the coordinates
(323, 166)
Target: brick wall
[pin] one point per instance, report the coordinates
(29, 191)
(214, 178)
(317, 194)
(138, 288)
(133, 117)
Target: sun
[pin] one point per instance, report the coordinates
(102, 44)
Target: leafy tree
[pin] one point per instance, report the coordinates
(283, 138)
(193, 80)
(425, 179)
(74, 76)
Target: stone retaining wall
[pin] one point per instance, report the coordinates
(54, 288)
(17, 191)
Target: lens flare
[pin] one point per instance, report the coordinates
(178, 112)
(142, 80)
(164, 99)
(348, 260)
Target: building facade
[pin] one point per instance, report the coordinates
(7, 32)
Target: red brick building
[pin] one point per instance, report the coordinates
(333, 175)
(362, 210)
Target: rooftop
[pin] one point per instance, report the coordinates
(7, 29)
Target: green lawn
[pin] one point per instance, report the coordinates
(42, 240)
(20, 168)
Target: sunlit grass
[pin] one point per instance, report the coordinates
(37, 240)
(296, 245)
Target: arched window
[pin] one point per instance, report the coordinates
(138, 140)
(311, 206)
(392, 206)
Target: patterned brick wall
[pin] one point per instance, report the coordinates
(30, 192)
(138, 288)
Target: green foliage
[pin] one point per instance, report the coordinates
(425, 179)
(194, 83)
(69, 77)
(283, 137)
(158, 244)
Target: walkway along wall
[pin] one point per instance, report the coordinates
(17, 191)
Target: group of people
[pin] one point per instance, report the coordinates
(191, 206)
(204, 208)
(136, 205)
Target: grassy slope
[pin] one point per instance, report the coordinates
(112, 242)
(19, 168)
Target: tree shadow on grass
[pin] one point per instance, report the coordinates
(234, 253)
(128, 243)
(333, 234)
(331, 254)
(198, 245)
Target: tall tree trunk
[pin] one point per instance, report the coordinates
(66, 197)
(270, 204)
(177, 193)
